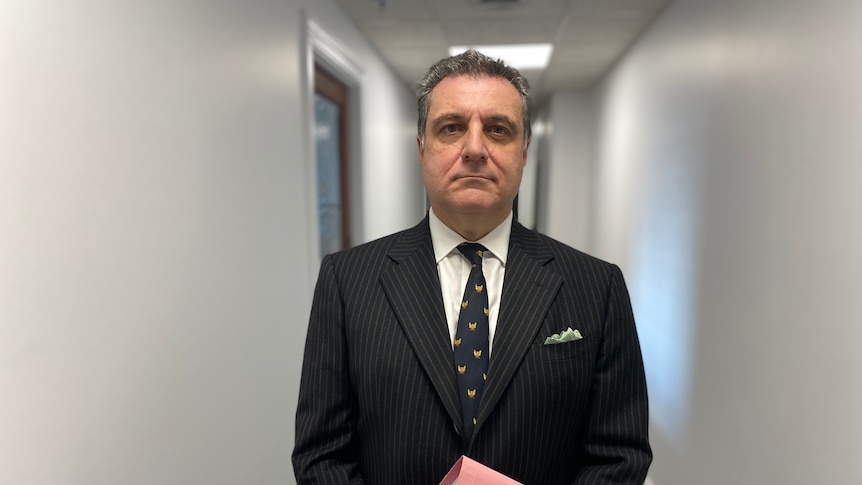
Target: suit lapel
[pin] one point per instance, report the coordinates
(412, 287)
(529, 288)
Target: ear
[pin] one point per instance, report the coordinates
(526, 148)
(420, 148)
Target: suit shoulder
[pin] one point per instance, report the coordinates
(575, 260)
(371, 250)
(564, 250)
(533, 238)
(379, 250)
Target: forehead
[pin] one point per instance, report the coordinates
(481, 93)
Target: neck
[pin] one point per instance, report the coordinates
(472, 227)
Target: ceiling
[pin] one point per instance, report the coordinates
(588, 35)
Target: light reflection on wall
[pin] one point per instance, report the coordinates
(663, 296)
(648, 206)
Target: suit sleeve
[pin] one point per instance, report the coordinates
(326, 450)
(615, 442)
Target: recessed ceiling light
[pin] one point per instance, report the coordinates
(496, 3)
(519, 56)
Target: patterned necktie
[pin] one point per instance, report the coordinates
(471, 338)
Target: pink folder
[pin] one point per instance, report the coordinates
(470, 472)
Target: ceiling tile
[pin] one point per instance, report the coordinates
(588, 35)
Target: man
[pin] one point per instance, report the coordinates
(397, 382)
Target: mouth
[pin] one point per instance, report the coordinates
(472, 177)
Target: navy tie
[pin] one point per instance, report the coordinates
(471, 338)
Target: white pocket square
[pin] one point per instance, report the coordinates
(568, 335)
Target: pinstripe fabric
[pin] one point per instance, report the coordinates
(378, 398)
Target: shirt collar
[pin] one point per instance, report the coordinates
(445, 240)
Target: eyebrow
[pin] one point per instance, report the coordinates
(503, 119)
(499, 118)
(446, 117)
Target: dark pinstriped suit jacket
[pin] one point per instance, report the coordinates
(378, 401)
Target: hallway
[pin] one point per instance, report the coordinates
(158, 246)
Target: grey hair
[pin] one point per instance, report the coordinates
(471, 63)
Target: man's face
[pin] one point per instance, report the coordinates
(474, 152)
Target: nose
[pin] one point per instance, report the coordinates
(474, 148)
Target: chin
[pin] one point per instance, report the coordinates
(477, 207)
(473, 202)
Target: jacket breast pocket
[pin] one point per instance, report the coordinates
(563, 351)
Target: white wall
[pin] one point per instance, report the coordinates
(568, 169)
(729, 177)
(154, 258)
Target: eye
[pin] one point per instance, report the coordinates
(498, 130)
(450, 129)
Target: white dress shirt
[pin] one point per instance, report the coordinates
(454, 269)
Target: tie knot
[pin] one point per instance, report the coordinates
(473, 252)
